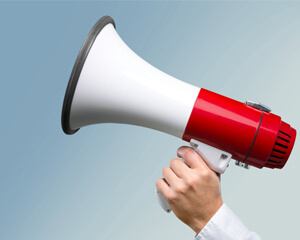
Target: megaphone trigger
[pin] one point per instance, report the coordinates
(216, 159)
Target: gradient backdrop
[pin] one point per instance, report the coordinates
(99, 183)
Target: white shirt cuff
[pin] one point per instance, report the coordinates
(226, 225)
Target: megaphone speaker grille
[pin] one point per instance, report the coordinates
(82, 55)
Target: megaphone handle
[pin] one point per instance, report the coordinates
(162, 201)
(216, 159)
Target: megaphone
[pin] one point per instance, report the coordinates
(109, 83)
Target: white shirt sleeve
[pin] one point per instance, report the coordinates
(225, 225)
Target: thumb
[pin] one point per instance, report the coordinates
(191, 158)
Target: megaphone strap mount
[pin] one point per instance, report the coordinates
(82, 55)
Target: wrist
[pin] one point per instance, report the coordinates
(199, 223)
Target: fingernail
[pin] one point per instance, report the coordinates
(180, 152)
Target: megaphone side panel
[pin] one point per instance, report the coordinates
(251, 135)
(83, 53)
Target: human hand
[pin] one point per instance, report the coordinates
(192, 189)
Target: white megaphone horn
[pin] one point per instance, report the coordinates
(109, 83)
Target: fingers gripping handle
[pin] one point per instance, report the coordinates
(216, 159)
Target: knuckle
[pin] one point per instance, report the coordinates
(157, 183)
(206, 174)
(180, 188)
(174, 161)
(165, 170)
(193, 180)
(171, 197)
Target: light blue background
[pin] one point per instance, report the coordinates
(99, 183)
